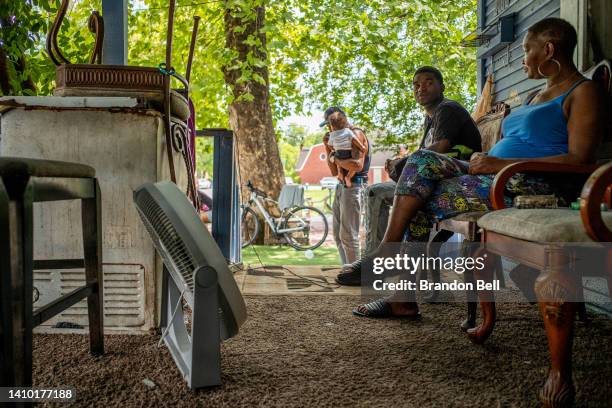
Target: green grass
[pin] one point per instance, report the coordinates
(317, 197)
(285, 255)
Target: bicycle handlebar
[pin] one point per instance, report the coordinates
(255, 190)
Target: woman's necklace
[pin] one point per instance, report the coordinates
(562, 82)
(539, 96)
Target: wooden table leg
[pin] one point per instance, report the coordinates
(433, 250)
(467, 250)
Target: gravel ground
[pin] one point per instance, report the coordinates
(299, 351)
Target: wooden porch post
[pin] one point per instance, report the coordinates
(115, 13)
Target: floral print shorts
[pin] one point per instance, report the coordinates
(446, 188)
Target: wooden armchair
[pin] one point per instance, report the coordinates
(534, 237)
(600, 73)
(545, 239)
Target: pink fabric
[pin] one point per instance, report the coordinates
(192, 134)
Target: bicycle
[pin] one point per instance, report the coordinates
(303, 227)
(327, 201)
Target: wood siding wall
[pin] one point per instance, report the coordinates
(511, 84)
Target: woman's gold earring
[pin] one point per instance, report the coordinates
(553, 60)
(558, 65)
(540, 71)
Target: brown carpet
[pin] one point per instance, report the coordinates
(310, 351)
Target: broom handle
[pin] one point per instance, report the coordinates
(167, 96)
(194, 34)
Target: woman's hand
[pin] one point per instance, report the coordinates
(481, 163)
(390, 164)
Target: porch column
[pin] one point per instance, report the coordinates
(575, 11)
(115, 13)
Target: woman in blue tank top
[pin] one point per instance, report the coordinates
(561, 124)
(536, 130)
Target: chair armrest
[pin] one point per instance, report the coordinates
(496, 194)
(592, 195)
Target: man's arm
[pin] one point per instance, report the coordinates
(356, 164)
(447, 123)
(445, 132)
(441, 146)
(357, 143)
(332, 167)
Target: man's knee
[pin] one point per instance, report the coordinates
(422, 153)
(369, 191)
(337, 237)
(426, 162)
(349, 240)
(380, 189)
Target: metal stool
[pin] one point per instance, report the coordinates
(23, 182)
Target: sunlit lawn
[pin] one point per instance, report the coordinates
(325, 255)
(285, 255)
(316, 199)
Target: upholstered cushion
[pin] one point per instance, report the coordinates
(15, 166)
(541, 225)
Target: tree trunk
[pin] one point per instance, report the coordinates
(251, 118)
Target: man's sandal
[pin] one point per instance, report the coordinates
(381, 309)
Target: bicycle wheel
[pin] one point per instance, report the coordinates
(249, 227)
(308, 227)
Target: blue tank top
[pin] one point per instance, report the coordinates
(537, 130)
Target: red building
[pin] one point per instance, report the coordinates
(312, 167)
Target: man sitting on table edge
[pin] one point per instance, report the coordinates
(447, 126)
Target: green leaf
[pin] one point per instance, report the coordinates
(258, 78)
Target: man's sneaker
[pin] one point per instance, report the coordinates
(351, 275)
(349, 279)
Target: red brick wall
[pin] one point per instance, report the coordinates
(315, 168)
